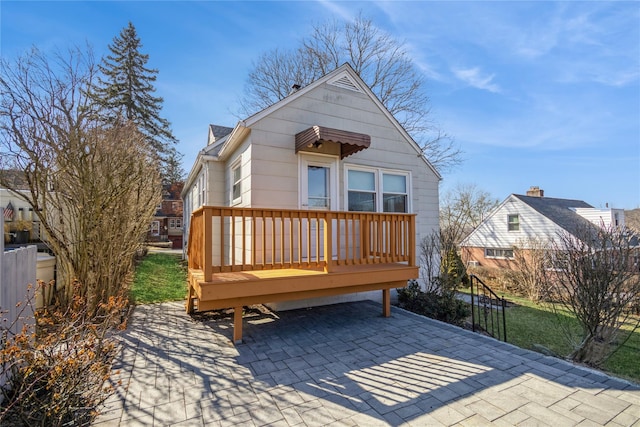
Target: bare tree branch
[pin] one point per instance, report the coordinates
(463, 208)
(93, 188)
(383, 63)
(593, 277)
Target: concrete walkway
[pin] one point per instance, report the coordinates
(346, 365)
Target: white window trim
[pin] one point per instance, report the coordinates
(323, 160)
(175, 223)
(234, 165)
(203, 188)
(497, 257)
(154, 231)
(509, 224)
(378, 173)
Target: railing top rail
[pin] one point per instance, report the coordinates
(306, 211)
(493, 294)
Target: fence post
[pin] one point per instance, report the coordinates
(504, 317)
(473, 314)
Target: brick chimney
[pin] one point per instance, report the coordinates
(535, 191)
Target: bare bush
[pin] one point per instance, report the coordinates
(58, 369)
(592, 277)
(530, 260)
(496, 278)
(429, 256)
(442, 277)
(94, 188)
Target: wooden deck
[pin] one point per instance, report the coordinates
(241, 256)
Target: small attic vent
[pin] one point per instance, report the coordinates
(344, 81)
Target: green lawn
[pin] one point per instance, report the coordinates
(159, 277)
(529, 324)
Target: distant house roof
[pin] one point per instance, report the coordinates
(14, 179)
(219, 131)
(170, 208)
(557, 210)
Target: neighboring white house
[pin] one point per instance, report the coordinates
(17, 211)
(533, 216)
(331, 145)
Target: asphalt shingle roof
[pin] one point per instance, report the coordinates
(557, 210)
(220, 131)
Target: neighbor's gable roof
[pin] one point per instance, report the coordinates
(343, 76)
(557, 210)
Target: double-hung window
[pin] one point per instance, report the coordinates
(394, 193)
(236, 178)
(362, 191)
(513, 222)
(377, 190)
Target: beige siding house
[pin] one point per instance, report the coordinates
(328, 147)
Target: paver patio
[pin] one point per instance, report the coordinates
(347, 365)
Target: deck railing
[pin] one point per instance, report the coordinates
(225, 239)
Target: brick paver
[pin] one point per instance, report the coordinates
(345, 365)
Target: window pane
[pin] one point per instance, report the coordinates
(236, 182)
(362, 201)
(394, 203)
(236, 191)
(394, 183)
(318, 182)
(359, 180)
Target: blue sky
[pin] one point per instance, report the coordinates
(536, 93)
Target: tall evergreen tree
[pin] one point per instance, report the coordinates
(173, 171)
(126, 92)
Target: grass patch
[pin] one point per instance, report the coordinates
(530, 324)
(158, 278)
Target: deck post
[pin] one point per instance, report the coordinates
(412, 240)
(386, 302)
(237, 325)
(189, 305)
(208, 243)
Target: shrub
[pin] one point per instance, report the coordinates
(57, 371)
(436, 304)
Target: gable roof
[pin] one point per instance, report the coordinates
(344, 76)
(560, 212)
(226, 139)
(557, 210)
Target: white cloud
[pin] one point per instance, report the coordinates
(336, 9)
(474, 78)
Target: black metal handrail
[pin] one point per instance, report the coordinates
(489, 308)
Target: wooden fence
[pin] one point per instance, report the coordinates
(17, 272)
